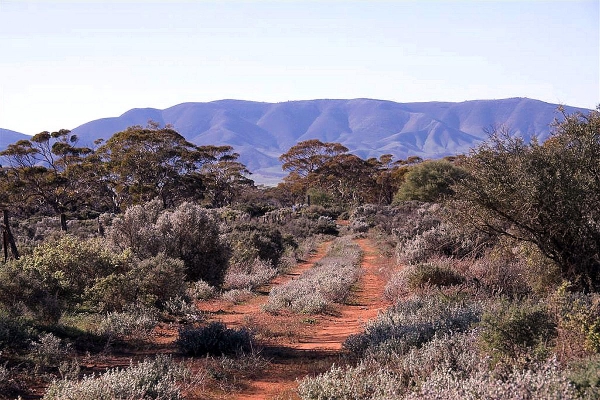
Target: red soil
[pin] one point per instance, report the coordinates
(300, 345)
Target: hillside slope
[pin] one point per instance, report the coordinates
(261, 132)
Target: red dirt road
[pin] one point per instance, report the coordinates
(299, 345)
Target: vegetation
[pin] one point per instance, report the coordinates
(493, 286)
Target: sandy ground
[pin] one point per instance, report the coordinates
(300, 345)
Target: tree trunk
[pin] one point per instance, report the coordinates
(9, 240)
(63, 222)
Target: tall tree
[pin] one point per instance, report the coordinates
(547, 194)
(140, 164)
(41, 173)
(305, 157)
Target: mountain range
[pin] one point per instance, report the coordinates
(260, 132)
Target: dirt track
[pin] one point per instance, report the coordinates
(298, 345)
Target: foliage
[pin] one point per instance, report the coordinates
(56, 275)
(249, 276)
(585, 376)
(200, 290)
(14, 333)
(305, 157)
(429, 181)
(579, 316)
(327, 282)
(545, 381)
(416, 278)
(49, 351)
(514, 329)
(45, 173)
(363, 382)
(189, 232)
(214, 339)
(249, 241)
(150, 379)
(544, 194)
(135, 322)
(412, 323)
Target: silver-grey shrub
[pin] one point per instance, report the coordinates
(546, 381)
(49, 351)
(368, 381)
(329, 281)
(158, 379)
(412, 323)
(189, 232)
(135, 322)
(201, 290)
(249, 275)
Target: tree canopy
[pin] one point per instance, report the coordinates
(547, 194)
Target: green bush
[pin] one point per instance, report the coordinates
(249, 241)
(585, 376)
(55, 277)
(510, 330)
(214, 339)
(429, 181)
(434, 274)
(15, 334)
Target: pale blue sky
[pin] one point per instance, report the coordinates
(63, 63)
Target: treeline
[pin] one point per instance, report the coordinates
(50, 174)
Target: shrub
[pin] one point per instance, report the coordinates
(429, 181)
(416, 278)
(56, 275)
(214, 339)
(501, 274)
(150, 379)
(578, 318)
(189, 233)
(585, 376)
(180, 307)
(251, 241)
(546, 381)
(413, 323)
(49, 351)
(201, 290)
(249, 276)
(366, 381)
(135, 323)
(158, 279)
(237, 296)
(510, 330)
(14, 333)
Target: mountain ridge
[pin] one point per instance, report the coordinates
(261, 131)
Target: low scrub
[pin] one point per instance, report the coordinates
(510, 330)
(413, 323)
(545, 381)
(249, 275)
(214, 339)
(417, 278)
(329, 281)
(158, 379)
(364, 382)
(134, 323)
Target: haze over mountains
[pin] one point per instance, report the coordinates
(261, 132)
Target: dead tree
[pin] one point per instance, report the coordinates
(8, 238)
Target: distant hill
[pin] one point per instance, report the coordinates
(261, 132)
(8, 137)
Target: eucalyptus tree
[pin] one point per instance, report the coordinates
(546, 194)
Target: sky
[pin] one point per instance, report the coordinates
(64, 63)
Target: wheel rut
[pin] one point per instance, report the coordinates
(300, 345)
